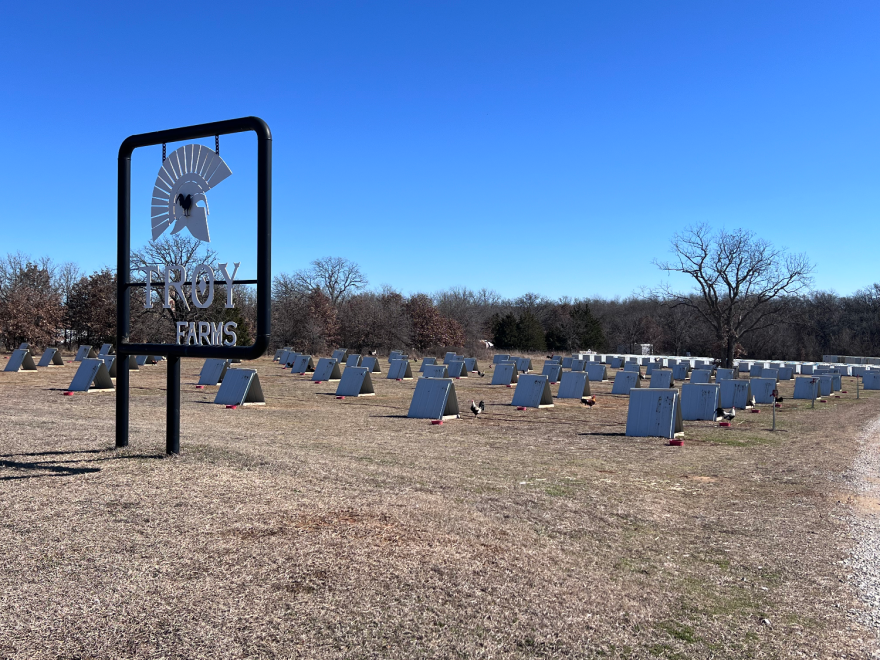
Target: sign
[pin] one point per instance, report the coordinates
(179, 201)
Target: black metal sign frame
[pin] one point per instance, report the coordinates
(123, 272)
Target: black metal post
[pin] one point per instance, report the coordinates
(172, 407)
(123, 300)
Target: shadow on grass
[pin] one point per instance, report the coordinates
(60, 467)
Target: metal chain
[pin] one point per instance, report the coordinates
(217, 144)
(163, 152)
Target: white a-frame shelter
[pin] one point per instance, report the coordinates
(553, 371)
(624, 381)
(807, 387)
(240, 387)
(21, 360)
(505, 374)
(597, 371)
(85, 352)
(303, 364)
(661, 378)
(435, 371)
(400, 370)
(457, 369)
(654, 412)
(51, 358)
(213, 371)
(574, 385)
(434, 398)
(110, 361)
(371, 363)
(327, 369)
(92, 376)
(532, 391)
(735, 393)
(355, 381)
(699, 401)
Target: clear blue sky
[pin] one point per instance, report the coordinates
(546, 147)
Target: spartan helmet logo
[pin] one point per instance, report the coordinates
(179, 194)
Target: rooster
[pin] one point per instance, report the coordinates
(752, 401)
(477, 409)
(589, 401)
(723, 414)
(481, 373)
(779, 399)
(185, 203)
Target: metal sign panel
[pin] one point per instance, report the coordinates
(51, 358)
(662, 378)
(699, 401)
(654, 413)
(457, 369)
(553, 371)
(213, 371)
(574, 385)
(435, 371)
(240, 387)
(371, 363)
(400, 370)
(735, 393)
(426, 362)
(505, 374)
(21, 360)
(356, 381)
(178, 202)
(532, 391)
(92, 376)
(434, 398)
(327, 369)
(303, 364)
(763, 388)
(498, 358)
(624, 381)
(700, 377)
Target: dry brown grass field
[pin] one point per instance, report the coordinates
(320, 528)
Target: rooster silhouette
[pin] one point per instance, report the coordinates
(185, 203)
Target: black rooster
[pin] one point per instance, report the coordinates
(477, 409)
(185, 203)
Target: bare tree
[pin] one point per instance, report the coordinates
(741, 280)
(335, 276)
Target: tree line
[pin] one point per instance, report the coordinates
(749, 299)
